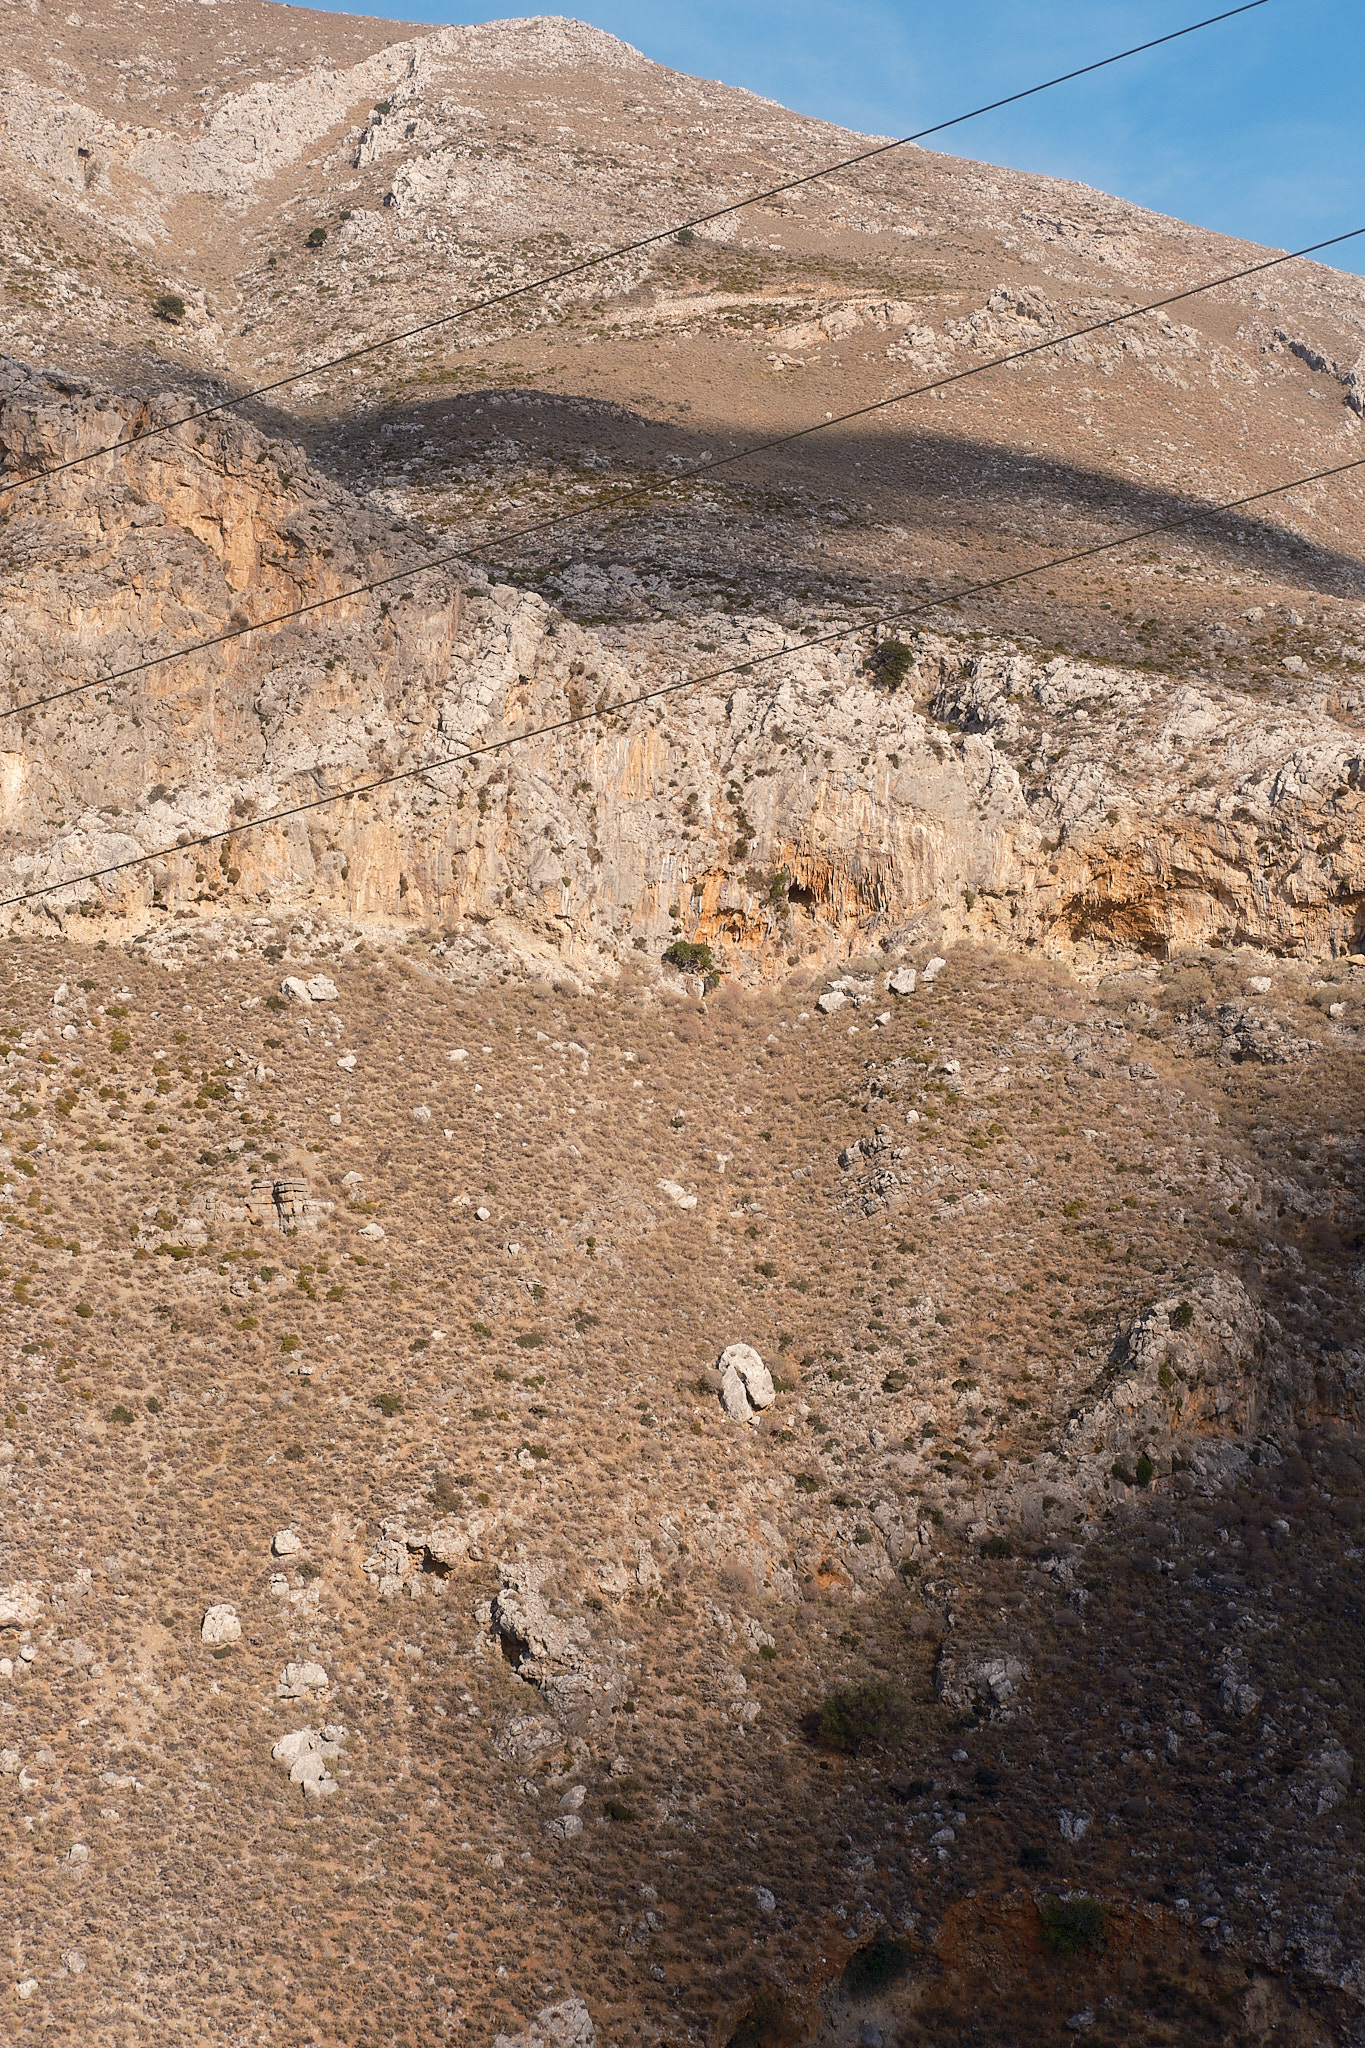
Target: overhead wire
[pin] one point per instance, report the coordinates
(565, 272)
(899, 616)
(707, 466)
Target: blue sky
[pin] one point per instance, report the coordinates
(1256, 127)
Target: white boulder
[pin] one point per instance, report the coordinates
(902, 982)
(934, 968)
(220, 1624)
(833, 999)
(21, 1605)
(746, 1383)
(301, 1678)
(286, 1543)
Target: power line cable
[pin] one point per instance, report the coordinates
(588, 263)
(899, 616)
(634, 492)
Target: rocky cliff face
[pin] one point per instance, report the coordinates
(797, 808)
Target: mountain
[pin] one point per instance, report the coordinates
(657, 913)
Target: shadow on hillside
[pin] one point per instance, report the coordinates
(905, 475)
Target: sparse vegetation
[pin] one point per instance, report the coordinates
(1071, 1925)
(872, 1715)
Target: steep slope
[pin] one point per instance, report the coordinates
(807, 803)
(582, 934)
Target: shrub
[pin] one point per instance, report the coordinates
(1033, 1856)
(616, 1809)
(444, 1498)
(1069, 1925)
(295, 1454)
(690, 957)
(387, 1404)
(317, 238)
(1119, 1470)
(806, 1482)
(289, 1343)
(855, 1716)
(529, 1340)
(686, 237)
(892, 662)
(120, 1414)
(84, 1310)
(876, 1965)
(170, 307)
(997, 1546)
(1182, 1317)
(1144, 1471)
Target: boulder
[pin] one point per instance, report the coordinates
(902, 982)
(317, 989)
(746, 1385)
(934, 968)
(220, 1624)
(21, 1605)
(832, 1000)
(298, 1679)
(286, 1543)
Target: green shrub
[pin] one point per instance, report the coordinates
(529, 1340)
(690, 957)
(120, 1414)
(806, 1482)
(997, 1546)
(317, 238)
(685, 237)
(170, 307)
(881, 1962)
(84, 1310)
(616, 1809)
(892, 662)
(1119, 1470)
(856, 1716)
(1182, 1317)
(1144, 1471)
(387, 1404)
(1070, 1925)
(1033, 1856)
(295, 1454)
